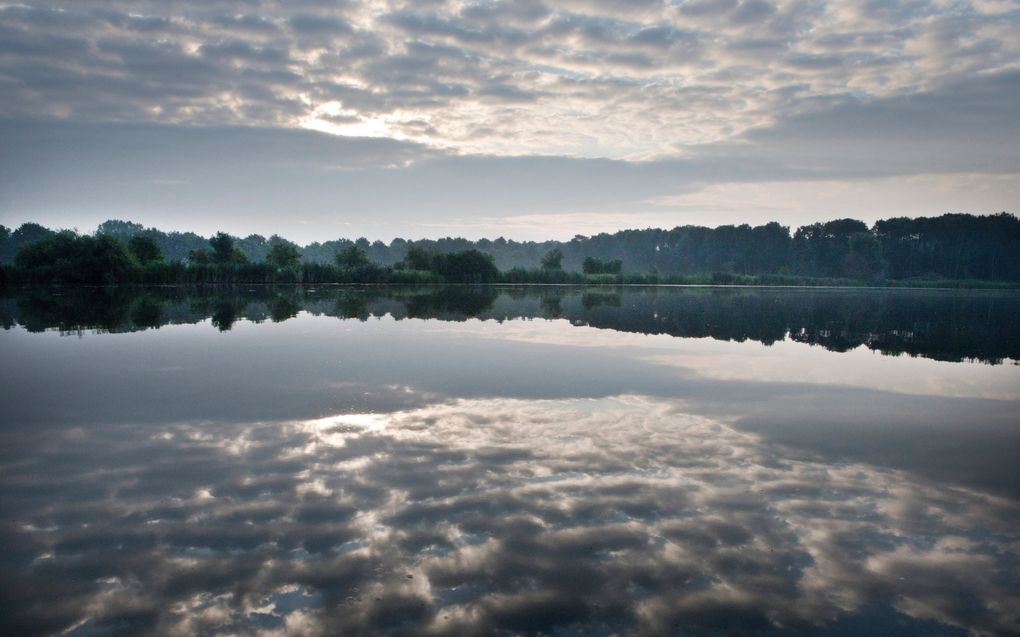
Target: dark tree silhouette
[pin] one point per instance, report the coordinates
(224, 251)
(864, 257)
(594, 265)
(144, 249)
(553, 260)
(417, 259)
(199, 256)
(66, 257)
(283, 255)
(351, 258)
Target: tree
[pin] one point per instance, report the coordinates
(144, 249)
(222, 247)
(593, 265)
(120, 229)
(65, 257)
(26, 234)
(553, 260)
(199, 256)
(350, 258)
(224, 251)
(822, 248)
(283, 255)
(417, 258)
(468, 266)
(864, 257)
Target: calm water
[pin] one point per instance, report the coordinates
(497, 461)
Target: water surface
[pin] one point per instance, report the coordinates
(559, 461)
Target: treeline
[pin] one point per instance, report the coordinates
(950, 247)
(69, 258)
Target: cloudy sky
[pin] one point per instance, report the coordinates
(316, 119)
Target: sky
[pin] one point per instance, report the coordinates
(318, 119)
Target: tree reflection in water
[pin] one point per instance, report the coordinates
(951, 325)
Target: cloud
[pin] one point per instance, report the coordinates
(394, 188)
(639, 61)
(577, 108)
(462, 519)
(964, 126)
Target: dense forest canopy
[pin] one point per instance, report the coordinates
(952, 246)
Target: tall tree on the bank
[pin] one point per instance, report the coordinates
(351, 258)
(224, 251)
(283, 255)
(553, 260)
(864, 257)
(594, 265)
(68, 258)
(144, 249)
(821, 249)
(417, 258)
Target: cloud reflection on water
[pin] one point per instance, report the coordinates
(612, 515)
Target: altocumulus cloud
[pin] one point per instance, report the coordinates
(450, 520)
(691, 93)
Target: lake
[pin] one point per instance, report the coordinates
(487, 460)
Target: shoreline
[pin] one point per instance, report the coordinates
(891, 285)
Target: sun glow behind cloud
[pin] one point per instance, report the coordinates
(333, 119)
